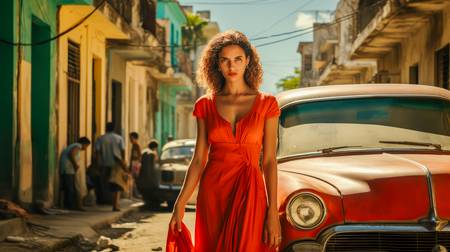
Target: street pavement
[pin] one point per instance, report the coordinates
(145, 230)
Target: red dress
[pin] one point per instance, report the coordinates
(232, 201)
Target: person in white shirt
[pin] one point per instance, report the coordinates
(110, 153)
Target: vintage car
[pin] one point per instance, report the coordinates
(174, 161)
(364, 168)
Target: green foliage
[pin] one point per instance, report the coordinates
(192, 32)
(290, 82)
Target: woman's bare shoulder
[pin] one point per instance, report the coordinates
(205, 97)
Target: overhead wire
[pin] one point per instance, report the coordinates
(81, 21)
(336, 21)
(301, 34)
(304, 31)
(283, 18)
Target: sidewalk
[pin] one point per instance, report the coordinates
(53, 232)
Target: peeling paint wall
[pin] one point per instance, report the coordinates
(416, 48)
(32, 89)
(421, 46)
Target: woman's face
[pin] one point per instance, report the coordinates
(232, 62)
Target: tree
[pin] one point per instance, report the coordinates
(290, 82)
(192, 32)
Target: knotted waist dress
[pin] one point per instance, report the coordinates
(232, 201)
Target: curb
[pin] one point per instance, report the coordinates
(106, 223)
(59, 244)
(55, 241)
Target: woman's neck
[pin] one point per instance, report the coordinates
(236, 88)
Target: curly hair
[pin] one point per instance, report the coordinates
(208, 73)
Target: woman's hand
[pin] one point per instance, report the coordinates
(272, 229)
(177, 218)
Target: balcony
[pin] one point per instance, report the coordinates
(122, 7)
(391, 25)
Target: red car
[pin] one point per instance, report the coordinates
(365, 168)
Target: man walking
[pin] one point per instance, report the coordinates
(69, 165)
(110, 153)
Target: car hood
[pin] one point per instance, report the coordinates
(383, 187)
(174, 166)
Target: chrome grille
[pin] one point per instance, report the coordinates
(167, 176)
(388, 241)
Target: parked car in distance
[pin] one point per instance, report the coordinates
(173, 165)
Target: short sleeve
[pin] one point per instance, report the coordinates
(121, 143)
(199, 108)
(273, 110)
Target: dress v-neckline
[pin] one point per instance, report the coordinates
(230, 126)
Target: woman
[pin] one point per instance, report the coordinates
(235, 121)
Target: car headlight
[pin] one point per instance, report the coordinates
(305, 211)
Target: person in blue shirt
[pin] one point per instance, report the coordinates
(69, 165)
(110, 153)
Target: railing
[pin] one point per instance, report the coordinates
(122, 7)
(367, 10)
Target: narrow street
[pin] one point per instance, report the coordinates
(145, 230)
(318, 125)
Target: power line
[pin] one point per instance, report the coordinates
(281, 34)
(298, 35)
(337, 21)
(283, 18)
(298, 30)
(58, 35)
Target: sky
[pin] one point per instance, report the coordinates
(261, 18)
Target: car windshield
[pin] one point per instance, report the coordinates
(312, 126)
(178, 152)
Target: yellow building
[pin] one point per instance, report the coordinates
(82, 67)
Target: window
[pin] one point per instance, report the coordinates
(148, 15)
(311, 126)
(73, 81)
(442, 67)
(308, 62)
(414, 74)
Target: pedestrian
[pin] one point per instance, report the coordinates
(237, 198)
(110, 153)
(147, 180)
(135, 163)
(69, 167)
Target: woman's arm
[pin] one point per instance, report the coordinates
(196, 166)
(194, 173)
(272, 231)
(72, 157)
